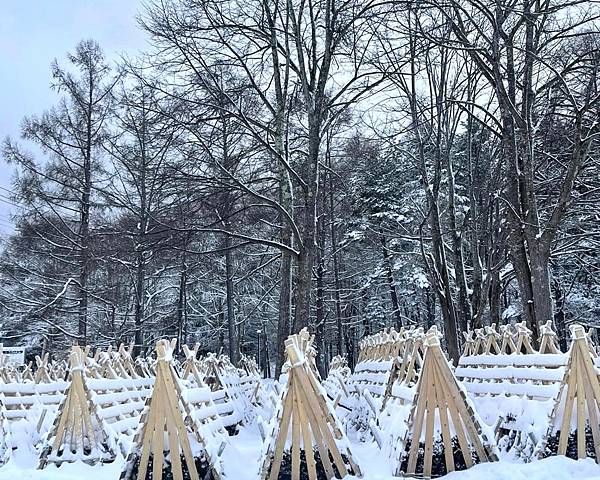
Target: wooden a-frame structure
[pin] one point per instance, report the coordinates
(578, 403)
(78, 433)
(221, 374)
(441, 413)
(311, 419)
(548, 339)
(4, 435)
(162, 418)
(42, 374)
(191, 365)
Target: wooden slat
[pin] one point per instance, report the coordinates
(446, 437)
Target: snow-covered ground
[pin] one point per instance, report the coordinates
(242, 462)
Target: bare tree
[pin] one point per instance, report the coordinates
(58, 192)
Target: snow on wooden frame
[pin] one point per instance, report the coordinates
(5, 447)
(167, 415)
(442, 424)
(228, 392)
(78, 433)
(378, 357)
(315, 430)
(574, 429)
(250, 380)
(337, 378)
(388, 360)
(515, 389)
(192, 368)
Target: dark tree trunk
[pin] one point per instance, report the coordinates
(336, 267)
(285, 310)
(305, 263)
(308, 218)
(84, 227)
(138, 338)
(559, 316)
(495, 298)
(320, 319)
(286, 202)
(231, 326)
(181, 304)
(390, 281)
(320, 294)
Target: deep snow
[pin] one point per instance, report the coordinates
(242, 462)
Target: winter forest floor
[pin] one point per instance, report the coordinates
(242, 461)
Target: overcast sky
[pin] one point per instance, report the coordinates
(32, 34)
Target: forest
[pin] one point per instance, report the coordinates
(342, 165)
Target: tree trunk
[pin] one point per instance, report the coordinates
(559, 317)
(514, 211)
(338, 301)
(231, 327)
(336, 267)
(430, 308)
(390, 281)
(442, 281)
(139, 301)
(84, 228)
(320, 319)
(320, 293)
(495, 297)
(140, 245)
(540, 288)
(307, 255)
(464, 309)
(286, 202)
(285, 309)
(305, 263)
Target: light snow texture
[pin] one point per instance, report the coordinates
(241, 458)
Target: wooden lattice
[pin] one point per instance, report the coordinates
(574, 429)
(78, 432)
(164, 418)
(312, 422)
(438, 396)
(516, 386)
(4, 436)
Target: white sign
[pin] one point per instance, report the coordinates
(15, 354)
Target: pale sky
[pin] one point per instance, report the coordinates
(32, 34)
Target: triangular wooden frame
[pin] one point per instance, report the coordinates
(491, 346)
(163, 416)
(42, 374)
(218, 377)
(191, 365)
(438, 395)
(311, 419)
(405, 369)
(249, 365)
(337, 377)
(508, 344)
(523, 342)
(548, 339)
(468, 347)
(77, 427)
(579, 394)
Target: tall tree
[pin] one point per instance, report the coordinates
(514, 46)
(58, 192)
(141, 140)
